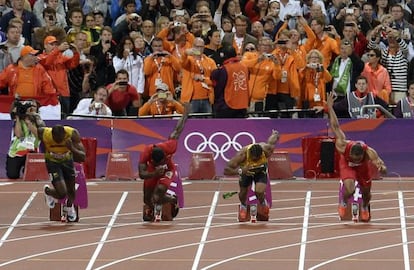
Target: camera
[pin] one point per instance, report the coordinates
(349, 24)
(179, 12)
(268, 55)
(98, 105)
(122, 83)
(282, 42)
(349, 11)
(51, 18)
(162, 95)
(160, 54)
(107, 41)
(326, 29)
(21, 108)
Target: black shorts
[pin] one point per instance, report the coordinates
(58, 171)
(246, 181)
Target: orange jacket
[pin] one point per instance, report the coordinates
(327, 46)
(236, 93)
(57, 65)
(161, 108)
(262, 74)
(169, 67)
(288, 66)
(309, 89)
(379, 82)
(191, 89)
(42, 83)
(170, 45)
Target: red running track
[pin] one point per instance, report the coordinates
(303, 232)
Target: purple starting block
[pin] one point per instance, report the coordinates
(176, 188)
(81, 198)
(251, 196)
(355, 199)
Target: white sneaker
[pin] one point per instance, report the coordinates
(50, 201)
(71, 213)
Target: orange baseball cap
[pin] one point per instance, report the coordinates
(50, 39)
(28, 50)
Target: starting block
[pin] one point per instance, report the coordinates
(354, 201)
(81, 198)
(280, 166)
(57, 213)
(262, 211)
(202, 166)
(118, 166)
(35, 167)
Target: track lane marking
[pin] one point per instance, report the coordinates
(206, 230)
(107, 230)
(18, 217)
(403, 231)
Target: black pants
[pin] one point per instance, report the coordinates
(14, 166)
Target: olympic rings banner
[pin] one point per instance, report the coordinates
(393, 139)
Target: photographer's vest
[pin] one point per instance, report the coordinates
(236, 92)
(57, 152)
(355, 104)
(406, 109)
(250, 163)
(29, 143)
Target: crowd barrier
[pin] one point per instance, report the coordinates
(224, 137)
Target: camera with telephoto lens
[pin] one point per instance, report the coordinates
(21, 108)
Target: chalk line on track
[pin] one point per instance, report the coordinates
(18, 217)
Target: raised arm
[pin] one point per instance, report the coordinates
(340, 142)
(269, 146)
(180, 125)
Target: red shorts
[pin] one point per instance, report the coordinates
(164, 180)
(361, 173)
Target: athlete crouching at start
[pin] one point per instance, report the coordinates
(157, 169)
(250, 163)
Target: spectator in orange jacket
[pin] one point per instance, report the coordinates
(57, 60)
(28, 79)
(161, 103)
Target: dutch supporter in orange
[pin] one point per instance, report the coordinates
(263, 69)
(196, 85)
(161, 103)
(327, 45)
(176, 38)
(286, 94)
(313, 79)
(299, 51)
(160, 67)
(29, 79)
(57, 60)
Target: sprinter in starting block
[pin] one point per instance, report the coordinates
(158, 170)
(250, 163)
(59, 211)
(63, 147)
(355, 165)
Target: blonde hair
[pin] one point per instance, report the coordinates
(161, 20)
(312, 52)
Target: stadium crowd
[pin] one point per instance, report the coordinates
(227, 58)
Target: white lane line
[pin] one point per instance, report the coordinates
(304, 231)
(18, 217)
(106, 233)
(206, 230)
(403, 231)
